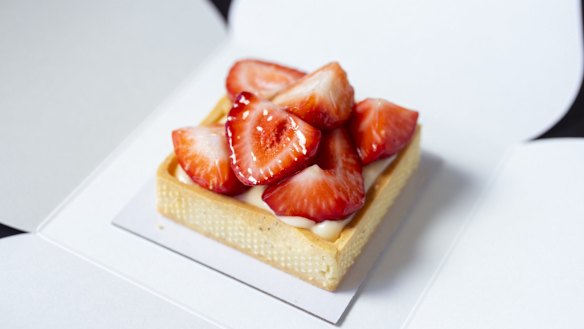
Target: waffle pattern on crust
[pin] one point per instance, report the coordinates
(260, 234)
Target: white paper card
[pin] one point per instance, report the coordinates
(140, 217)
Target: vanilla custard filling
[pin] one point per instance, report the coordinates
(182, 176)
(328, 229)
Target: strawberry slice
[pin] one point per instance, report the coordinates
(331, 189)
(380, 128)
(264, 79)
(266, 143)
(202, 153)
(323, 98)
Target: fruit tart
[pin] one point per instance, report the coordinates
(288, 169)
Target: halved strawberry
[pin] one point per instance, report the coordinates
(380, 128)
(331, 189)
(202, 153)
(261, 78)
(323, 98)
(266, 143)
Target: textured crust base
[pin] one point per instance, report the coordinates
(260, 234)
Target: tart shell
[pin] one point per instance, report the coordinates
(259, 234)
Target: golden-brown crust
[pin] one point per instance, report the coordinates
(260, 234)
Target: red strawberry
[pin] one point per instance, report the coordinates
(202, 153)
(266, 143)
(380, 128)
(332, 189)
(323, 98)
(261, 78)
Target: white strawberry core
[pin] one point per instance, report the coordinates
(254, 76)
(210, 145)
(321, 81)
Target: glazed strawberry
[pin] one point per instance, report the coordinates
(202, 153)
(380, 128)
(323, 98)
(258, 77)
(266, 143)
(331, 189)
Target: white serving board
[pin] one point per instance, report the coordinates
(430, 228)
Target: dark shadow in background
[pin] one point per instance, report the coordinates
(223, 7)
(8, 231)
(572, 124)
